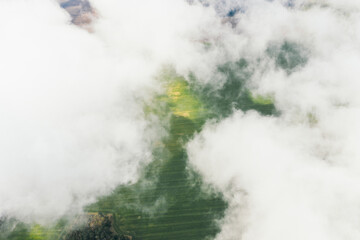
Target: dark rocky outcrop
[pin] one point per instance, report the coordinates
(98, 227)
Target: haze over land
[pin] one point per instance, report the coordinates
(242, 116)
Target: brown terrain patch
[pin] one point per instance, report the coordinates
(81, 12)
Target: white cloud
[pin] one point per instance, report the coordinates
(295, 176)
(280, 179)
(70, 128)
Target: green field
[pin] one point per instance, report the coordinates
(169, 202)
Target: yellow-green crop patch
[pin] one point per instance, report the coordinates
(260, 99)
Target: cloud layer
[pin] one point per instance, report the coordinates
(296, 175)
(70, 130)
(72, 125)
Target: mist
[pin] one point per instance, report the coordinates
(73, 90)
